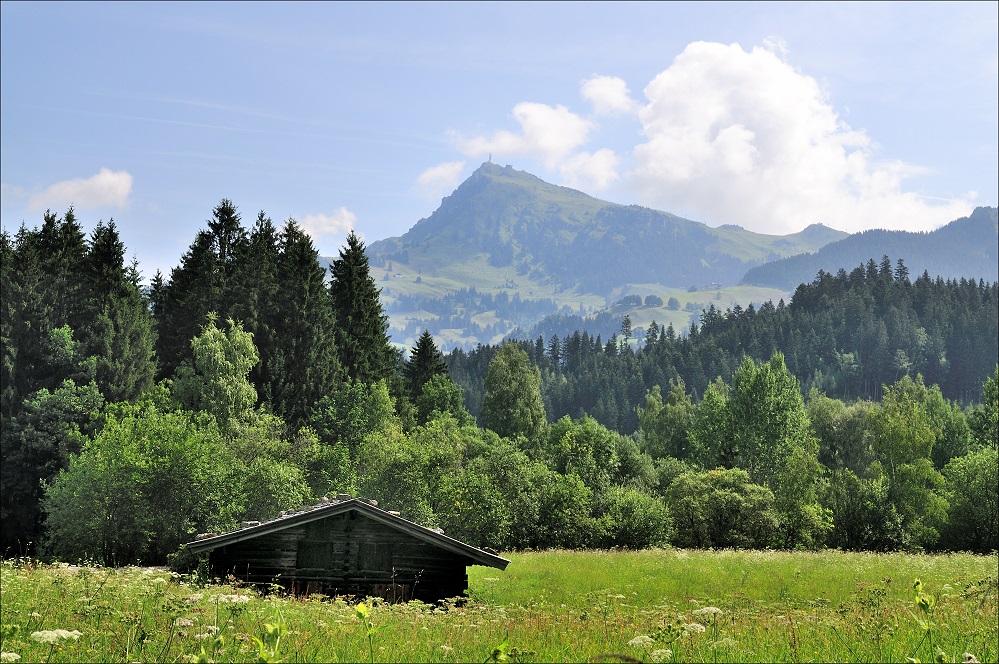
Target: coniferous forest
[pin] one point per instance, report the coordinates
(861, 415)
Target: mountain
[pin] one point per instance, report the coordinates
(967, 247)
(562, 236)
(507, 249)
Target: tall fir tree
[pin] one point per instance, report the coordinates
(118, 330)
(206, 281)
(301, 355)
(425, 362)
(361, 328)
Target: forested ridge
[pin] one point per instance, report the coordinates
(862, 415)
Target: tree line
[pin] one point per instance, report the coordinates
(846, 334)
(248, 382)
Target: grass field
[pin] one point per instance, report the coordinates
(669, 605)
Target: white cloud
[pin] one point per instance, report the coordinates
(440, 180)
(546, 132)
(321, 225)
(742, 137)
(105, 189)
(591, 171)
(609, 95)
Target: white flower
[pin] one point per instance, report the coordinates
(661, 655)
(196, 597)
(707, 611)
(55, 635)
(159, 581)
(447, 648)
(693, 628)
(233, 599)
(969, 658)
(9, 657)
(641, 641)
(183, 622)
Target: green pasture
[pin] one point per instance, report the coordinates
(663, 605)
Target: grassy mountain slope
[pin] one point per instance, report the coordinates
(522, 249)
(967, 247)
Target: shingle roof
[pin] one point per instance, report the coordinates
(334, 507)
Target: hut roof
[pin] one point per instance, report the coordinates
(335, 507)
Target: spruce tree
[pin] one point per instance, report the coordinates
(361, 328)
(425, 362)
(301, 356)
(117, 331)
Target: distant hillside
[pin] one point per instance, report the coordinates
(507, 249)
(967, 247)
(562, 236)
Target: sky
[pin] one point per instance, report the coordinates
(362, 116)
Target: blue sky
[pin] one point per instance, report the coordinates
(363, 116)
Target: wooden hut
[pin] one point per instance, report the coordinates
(346, 547)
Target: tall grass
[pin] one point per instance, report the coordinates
(549, 606)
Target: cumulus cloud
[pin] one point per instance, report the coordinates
(322, 225)
(440, 180)
(591, 171)
(609, 95)
(742, 137)
(549, 133)
(105, 189)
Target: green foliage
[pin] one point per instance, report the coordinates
(583, 448)
(722, 508)
(843, 432)
(973, 493)
(361, 327)
(984, 419)
(425, 362)
(665, 425)
(441, 396)
(902, 440)
(50, 428)
(351, 411)
(145, 483)
(863, 516)
(512, 406)
(215, 381)
(632, 519)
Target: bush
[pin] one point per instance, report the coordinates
(632, 519)
(720, 509)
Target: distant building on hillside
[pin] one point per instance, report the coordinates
(346, 546)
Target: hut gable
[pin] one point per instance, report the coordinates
(346, 547)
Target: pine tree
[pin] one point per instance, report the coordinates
(117, 331)
(361, 328)
(301, 353)
(425, 362)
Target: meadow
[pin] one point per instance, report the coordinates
(660, 605)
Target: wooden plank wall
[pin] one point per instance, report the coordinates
(346, 554)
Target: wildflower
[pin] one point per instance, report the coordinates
(693, 628)
(447, 648)
(55, 635)
(727, 642)
(9, 657)
(233, 599)
(969, 658)
(212, 629)
(35, 615)
(183, 622)
(641, 641)
(661, 655)
(707, 611)
(159, 581)
(196, 597)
